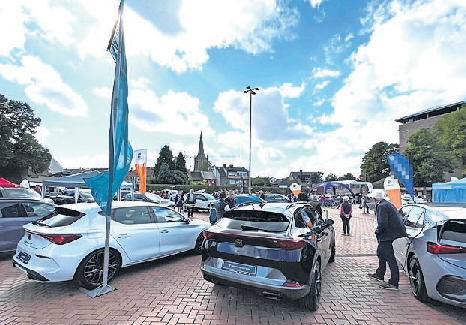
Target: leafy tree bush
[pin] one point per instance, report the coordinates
(374, 163)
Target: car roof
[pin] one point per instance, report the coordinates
(449, 210)
(10, 199)
(115, 205)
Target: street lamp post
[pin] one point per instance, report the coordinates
(251, 91)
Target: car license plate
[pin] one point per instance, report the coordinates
(239, 268)
(24, 257)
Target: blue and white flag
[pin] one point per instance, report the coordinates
(104, 186)
(402, 170)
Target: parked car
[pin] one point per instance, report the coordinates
(149, 197)
(14, 214)
(433, 254)
(242, 199)
(21, 193)
(83, 196)
(69, 243)
(269, 249)
(204, 201)
(275, 198)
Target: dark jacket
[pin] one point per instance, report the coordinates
(389, 223)
(188, 201)
(231, 202)
(347, 208)
(220, 207)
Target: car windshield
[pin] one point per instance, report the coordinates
(246, 220)
(243, 199)
(21, 193)
(86, 195)
(59, 217)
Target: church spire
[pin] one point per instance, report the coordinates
(201, 146)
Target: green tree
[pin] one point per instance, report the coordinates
(165, 156)
(164, 176)
(331, 177)
(374, 163)
(18, 147)
(180, 163)
(316, 177)
(451, 131)
(428, 158)
(347, 176)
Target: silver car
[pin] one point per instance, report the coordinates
(434, 253)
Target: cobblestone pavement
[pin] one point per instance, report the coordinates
(172, 291)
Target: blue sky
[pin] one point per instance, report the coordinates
(333, 74)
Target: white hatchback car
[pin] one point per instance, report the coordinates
(68, 243)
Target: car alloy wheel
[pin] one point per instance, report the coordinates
(91, 270)
(416, 280)
(312, 299)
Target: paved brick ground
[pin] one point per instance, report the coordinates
(172, 291)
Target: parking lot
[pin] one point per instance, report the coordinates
(172, 291)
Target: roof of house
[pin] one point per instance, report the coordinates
(208, 175)
(197, 176)
(433, 111)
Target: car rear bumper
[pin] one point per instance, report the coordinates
(30, 273)
(270, 288)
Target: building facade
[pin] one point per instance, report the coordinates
(231, 176)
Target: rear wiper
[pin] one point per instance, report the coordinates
(37, 223)
(249, 228)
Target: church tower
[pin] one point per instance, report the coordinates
(200, 159)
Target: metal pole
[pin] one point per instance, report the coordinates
(250, 137)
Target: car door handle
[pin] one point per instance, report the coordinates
(123, 236)
(164, 231)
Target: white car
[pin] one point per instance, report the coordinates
(204, 201)
(68, 244)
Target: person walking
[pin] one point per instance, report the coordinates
(179, 201)
(221, 206)
(365, 207)
(231, 200)
(389, 227)
(346, 212)
(190, 202)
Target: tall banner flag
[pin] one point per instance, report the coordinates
(140, 164)
(403, 170)
(104, 186)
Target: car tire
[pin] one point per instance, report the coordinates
(198, 246)
(416, 280)
(312, 299)
(89, 273)
(332, 254)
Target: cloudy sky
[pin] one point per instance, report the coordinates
(332, 76)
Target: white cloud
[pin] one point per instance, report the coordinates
(270, 119)
(324, 73)
(88, 161)
(42, 134)
(322, 85)
(43, 85)
(173, 113)
(249, 26)
(287, 90)
(315, 3)
(268, 155)
(319, 103)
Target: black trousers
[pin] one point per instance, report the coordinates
(190, 209)
(345, 221)
(386, 255)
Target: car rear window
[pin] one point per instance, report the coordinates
(454, 230)
(59, 217)
(254, 220)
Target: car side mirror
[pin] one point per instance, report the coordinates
(329, 222)
(187, 221)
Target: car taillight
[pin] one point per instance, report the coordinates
(60, 239)
(435, 248)
(207, 234)
(290, 244)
